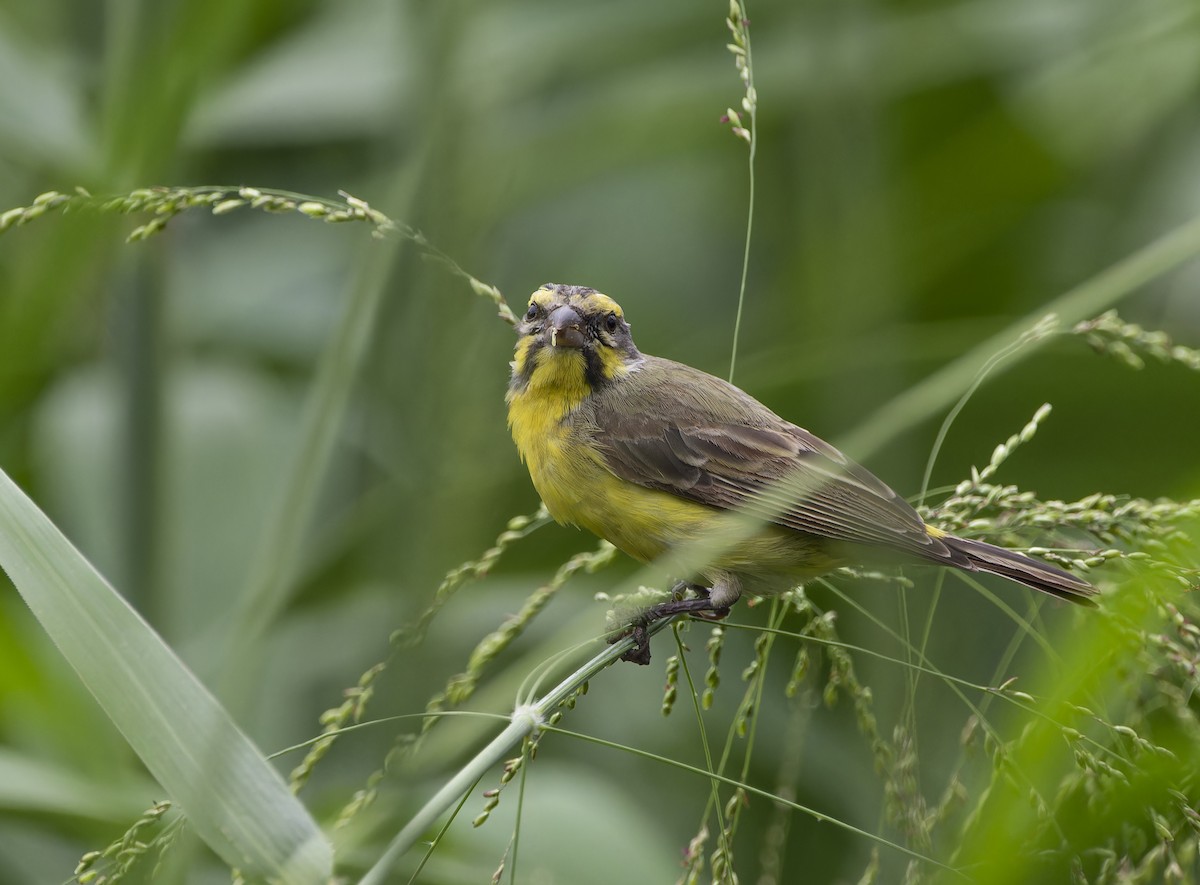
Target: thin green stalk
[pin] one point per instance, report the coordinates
(910, 686)
(954, 683)
(925, 399)
(516, 838)
(433, 844)
(934, 598)
(524, 722)
(279, 554)
(714, 796)
(741, 38)
(450, 793)
(765, 794)
(737, 321)
(775, 620)
(1041, 329)
(383, 720)
(1043, 643)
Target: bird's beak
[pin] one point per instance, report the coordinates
(566, 328)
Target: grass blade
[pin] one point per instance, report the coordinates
(926, 399)
(234, 799)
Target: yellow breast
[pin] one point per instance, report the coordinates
(569, 474)
(567, 471)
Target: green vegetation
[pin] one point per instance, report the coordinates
(281, 439)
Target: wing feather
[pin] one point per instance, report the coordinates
(667, 426)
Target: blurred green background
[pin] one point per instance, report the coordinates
(927, 172)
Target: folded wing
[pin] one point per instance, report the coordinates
(675, 429)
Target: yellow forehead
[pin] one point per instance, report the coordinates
(586, 301)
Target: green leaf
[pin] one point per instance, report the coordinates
(233, 798)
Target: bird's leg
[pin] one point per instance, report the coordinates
(701, 605)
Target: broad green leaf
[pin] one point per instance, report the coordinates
(233, 798)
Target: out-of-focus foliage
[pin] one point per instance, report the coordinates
(927, 173)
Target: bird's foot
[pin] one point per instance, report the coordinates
(640, 653)
(700, 606)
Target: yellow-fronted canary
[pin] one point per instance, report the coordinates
(649, 454)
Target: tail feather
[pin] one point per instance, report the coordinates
(1023, 569)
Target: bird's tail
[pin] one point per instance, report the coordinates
(1023, 569)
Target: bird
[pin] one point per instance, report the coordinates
(650, 454)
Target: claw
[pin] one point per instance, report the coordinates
(640, 653)
(701, 606)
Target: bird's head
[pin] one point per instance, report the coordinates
(572, 336)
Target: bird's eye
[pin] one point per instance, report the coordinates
(611, 322)
(532, 313)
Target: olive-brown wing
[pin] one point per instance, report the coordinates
(672, 428)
